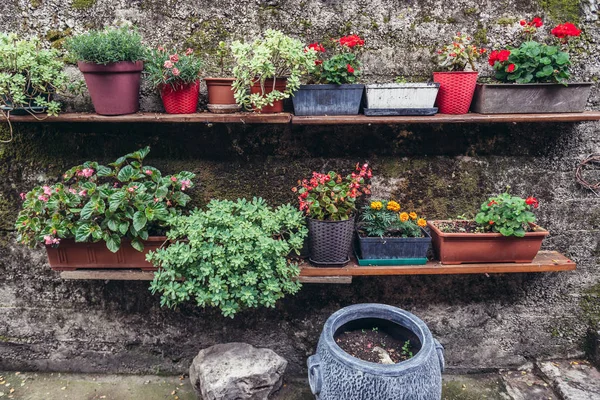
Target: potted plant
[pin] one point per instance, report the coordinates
(503, 231)
(334, 89)
(220, 90)
(29, 77)
(268, 70)
(387, 236)
(177, 77)
(103, 216)
(329, 203)
(111, 62)
(457, 82)
(533, 76)
(232, 255)
(377, 349)
(401, 98)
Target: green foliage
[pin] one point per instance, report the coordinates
(406, 352)
(273, 56)
(108, 46)
(343, 67)
(562, 10)
(225, 58)
(82, 4)
(96, 202)
(534, 62)
(29, 74)
(165, 67)
(231, 255)
(506, 214)
(383, 218)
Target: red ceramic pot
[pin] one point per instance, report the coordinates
(456, 91)
(181, 99)
(115, 87)
(280, 84)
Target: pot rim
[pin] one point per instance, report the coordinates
(72, 241)
(116, 67)
(431, 224)
(504, 85)
(329, 86)
(351, 218)
(411, 239)
(212, 79)
(408, 85)
(456, 72)
(394, 314)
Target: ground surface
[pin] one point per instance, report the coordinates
(567, 380)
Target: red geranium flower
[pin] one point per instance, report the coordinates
(563, 31)
(351, 41)
(318, 62)
(532, 201)
(537, 22)
(523, 22)
(503, 55)
(317, 47)
(350, 69)
(493, 57)
(510, 68)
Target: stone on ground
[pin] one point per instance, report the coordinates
(525, 385)
(572, 380)
(236, 371)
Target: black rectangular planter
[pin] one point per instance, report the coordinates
(328, 99)
(514, 98)
(377, 248)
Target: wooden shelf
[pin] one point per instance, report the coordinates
(471, 118)
(204, 117)
(546, 261)
(286, 118)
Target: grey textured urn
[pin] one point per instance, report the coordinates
(335, 375)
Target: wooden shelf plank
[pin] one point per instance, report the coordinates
(470, 118)
(285, 118)
(546, 261)
(205, 117)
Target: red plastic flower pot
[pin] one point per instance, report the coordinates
(456, 91)
(181, 99)
(280, 84)
(114, 88)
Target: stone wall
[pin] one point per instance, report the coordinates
(484, 321)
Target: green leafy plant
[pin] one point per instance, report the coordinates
(224, 59)
(383, 218)
(343, 67)
(108, 46)
(458, 54)
(231, 255)
(164, 67)
(126, 199)
(507, 214)
(330, 196)
(533, 61)
(406, 350)
(273, 56)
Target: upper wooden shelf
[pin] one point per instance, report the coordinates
(546, 261)
(286, 118)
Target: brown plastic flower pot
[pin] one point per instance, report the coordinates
(469, 248)
(70, 255)
(114, 88)
(280, 84)
(220, 95)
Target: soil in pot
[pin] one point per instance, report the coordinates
(377, 341)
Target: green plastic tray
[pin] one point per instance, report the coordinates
(391, 262)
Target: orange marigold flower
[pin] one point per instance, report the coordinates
(404, 217)
(376, 205)
(393, 206)
(422, 223)
(413, 215)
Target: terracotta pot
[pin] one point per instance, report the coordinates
(182, 99)
(70, 255)
(220, 95)
(280, 84)
(464, 248)
(456, 91)
(114, 88)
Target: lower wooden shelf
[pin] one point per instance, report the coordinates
(546, 261)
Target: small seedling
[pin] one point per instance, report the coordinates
(406, 349)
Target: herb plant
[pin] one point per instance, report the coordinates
(533, 61)
(459, 54)
(126, 199)
(507, 214)
(341, 68)
(108, 46)
(330, 196)
(273, 56)
(165, 67)
(224, 58)
(231, 255)
(383, 218)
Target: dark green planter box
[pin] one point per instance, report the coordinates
(392, 248)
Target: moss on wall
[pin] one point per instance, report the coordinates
(590, 306)
(82, 4)
(562, 10)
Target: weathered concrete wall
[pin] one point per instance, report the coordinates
(484, 322)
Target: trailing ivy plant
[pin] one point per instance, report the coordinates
(233, 255)
(108, 46)
(274, 56)
(126, 199)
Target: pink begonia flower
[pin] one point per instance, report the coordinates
(73, 191)
(185, 184)
(168, 64)
(173, 179)
(160, 48)
(23, 195)
(189, 51)
(42, 198)
(156, 199)
(83, 193)
(51, 240)
(148, 172)
(47, 190)
(130, 190)
(87, 172)
(175, 71)
(174, 58)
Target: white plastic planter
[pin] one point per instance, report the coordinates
(401, 95)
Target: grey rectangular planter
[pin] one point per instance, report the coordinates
(401, 95)
(378, 248)
(506, 98)
(328, 99)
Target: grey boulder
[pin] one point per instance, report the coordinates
(236, 371)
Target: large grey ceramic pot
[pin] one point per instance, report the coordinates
(335, 375)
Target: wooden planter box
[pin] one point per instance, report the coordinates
(464, 248)
(513, 98)
(70, 256)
